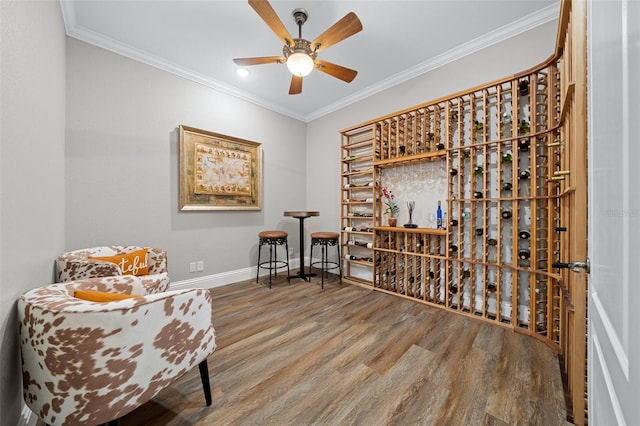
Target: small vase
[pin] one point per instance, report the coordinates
(392, 221)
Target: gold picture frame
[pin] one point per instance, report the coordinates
(219, 172)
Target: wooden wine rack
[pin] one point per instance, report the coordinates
(500, 145)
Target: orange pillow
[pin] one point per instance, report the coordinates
(101, 296)
(133, 263)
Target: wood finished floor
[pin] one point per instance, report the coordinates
(345, 355)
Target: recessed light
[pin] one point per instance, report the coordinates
(242, 72)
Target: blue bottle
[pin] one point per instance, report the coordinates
(439, 216)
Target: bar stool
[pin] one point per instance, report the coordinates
(324, 240)
(273, 239)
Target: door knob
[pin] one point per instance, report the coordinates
(574, 266)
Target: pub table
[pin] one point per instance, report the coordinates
(301, 216)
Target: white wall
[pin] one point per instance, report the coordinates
(323, 139)
(122, 163)
(32, 102)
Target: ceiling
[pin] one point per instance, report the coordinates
(400, 40)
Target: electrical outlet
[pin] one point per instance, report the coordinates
(192, 267)
(200, 266)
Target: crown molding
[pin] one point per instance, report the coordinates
(107, 43)
(513, 29)
(526, 23)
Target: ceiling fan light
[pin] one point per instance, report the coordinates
(300, 64)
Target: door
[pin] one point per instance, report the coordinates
(614, 211)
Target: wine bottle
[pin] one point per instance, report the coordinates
(506, 214)
(491, 287)
(431, 274)
(453, 248)
(541, 290)
(439, 216)
(403, 149)
(478, 194)
(453, 172)
(507, 186)
(507, 157)
(523, 87)
(453, 288)
(492, 242)
(524, 254)
(524, 234)
(478, 170)
(453, 222)
(350, 257)
(524, 174)
(466, 273)
(440, 146)
(479, 231)
(523, 144)
(560, 229)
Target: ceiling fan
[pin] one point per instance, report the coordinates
(299, 54)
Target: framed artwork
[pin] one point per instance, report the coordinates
(219, 172)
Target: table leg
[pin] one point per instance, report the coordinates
(301, 273)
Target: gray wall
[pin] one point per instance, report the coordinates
(32, 102)
(122, 163)
(323, 139)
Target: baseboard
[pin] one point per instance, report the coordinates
(27, 417)
(224, 278)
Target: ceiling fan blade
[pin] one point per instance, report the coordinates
(260, 61)
(337, 71)
(344, 28)
(296, 85)
(269, 16)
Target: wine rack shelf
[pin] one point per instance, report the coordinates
(358, 204)
(501, 146)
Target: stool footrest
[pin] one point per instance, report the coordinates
(277, 264)
(336, 265)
